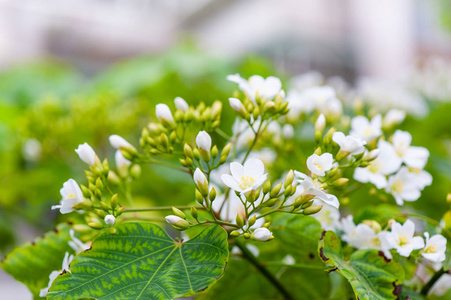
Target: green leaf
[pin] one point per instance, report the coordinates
(33, 262)
(371, 275)
(141, 261)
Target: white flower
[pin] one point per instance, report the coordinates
(386, 163)
(245, 178)
(435, 248)
(262, 234)
(421, 177)
(288, 260)
(320, 123)
(348, 227)
(287, 131)
(412, 156)
(72, 195)
(258, 86)
(65, 267)
(308, 186)
(319, 165)
(181, 104)
(76, 244)
(31, 149)
(403, 186)
(236, 104)
(362, 128)
(365, 237)
(203, 141)
(328, 216)
(121, 161)
(199, 177)
(350, 144)
(323, 98)
(163, 113)
(119, 142)
(393, 117)
(110, 220)
(401, 238)
(171, 219)
(86, 154)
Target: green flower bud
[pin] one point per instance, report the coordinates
(181, 225)
(135, 171)
(119, 211)
(104, 206)
(95, 225)
(85, 205)
(99, 183)
(239, 221)
(113, 230)
(275, 190)
(342, 154)
(214, 151)
(247, 236)
(100, 213)
(340, 182)
(235, 233)
(193, 212)
(287, 192)
(312, 209)
(289, 178)
(271, 202)
(199, 197)
(86, 192)
(269, 107)
(266, 225)
(178, 212)
(212, 194)
(114, 201)
(188, 151)
(252, 220)
(196, 154)
(267, 187)
(113, 178)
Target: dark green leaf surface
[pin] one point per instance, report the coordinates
(371, 275)
(142, 262)
(33, 262)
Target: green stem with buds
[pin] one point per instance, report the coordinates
(159, 208)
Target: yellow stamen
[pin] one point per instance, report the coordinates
(403, 240)
(430, 249)
(246, 182)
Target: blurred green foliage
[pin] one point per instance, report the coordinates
(48, 108)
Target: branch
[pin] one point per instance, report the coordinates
(253, 260)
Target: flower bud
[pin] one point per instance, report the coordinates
(342, 154)
(203, 142)
(85, 191)
(267, 187)
(113, 178)
(373, 224)
(288, 191)
(187, 151)
(199, 197)
(236, 105)
(172, 219)
(246, 236)
(164, 115)
(193, 212)
(178, 212)
(320, 124)
(225, 152)
(372, 155)
(235, 233)
(196, 154)
(312, 209)
(269, 107)
(110, 220)
(181, 104)
(95, 225)
(252, 220)
(87, 154)
(212, 194)
(262, 234)
(214, 151)
(239, 221)
(135, 171)
(448, 198)
(114, 201)
(275, 190)
(340, 182)
(201, 181)
(289, 178)
(216, 109)
(271, 202)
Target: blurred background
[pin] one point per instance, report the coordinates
(78, 71)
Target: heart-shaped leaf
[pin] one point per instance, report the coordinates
(141, 261)
(371, 275)
(33, 262)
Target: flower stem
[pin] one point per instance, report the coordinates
(254, 261)
(158, 208)
(431, 282)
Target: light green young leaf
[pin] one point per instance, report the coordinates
(141, 261)
(371, 275)
(33, 262)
